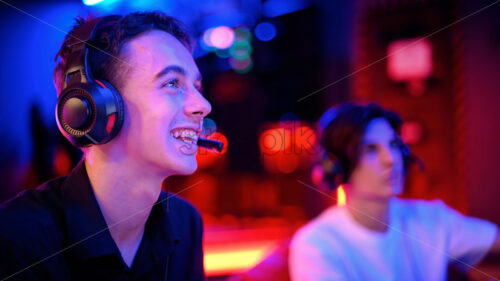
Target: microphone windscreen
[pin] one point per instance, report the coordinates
(209, 127)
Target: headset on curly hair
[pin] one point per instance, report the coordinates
(88, 111)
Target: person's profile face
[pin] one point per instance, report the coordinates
(379, 172)
(164, 105)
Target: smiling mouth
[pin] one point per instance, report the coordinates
(186, 135)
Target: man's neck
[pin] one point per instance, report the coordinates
(125, 194)
(369, 213)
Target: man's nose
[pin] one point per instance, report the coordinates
(196, 105)
(387, 157)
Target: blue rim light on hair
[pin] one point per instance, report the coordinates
(327, 117)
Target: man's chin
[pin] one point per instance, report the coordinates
(397, 190)
(187, 169)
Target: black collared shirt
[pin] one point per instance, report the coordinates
(57, 232)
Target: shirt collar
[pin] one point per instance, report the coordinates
(88, 233)
(159, 227)
(159, 238)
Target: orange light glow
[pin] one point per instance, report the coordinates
(274, 140)
(304, 138)
(229, 259)
(287, 163)
(229, 251)
(341, 196)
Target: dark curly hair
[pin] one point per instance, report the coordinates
(109, 39)
(341, 138)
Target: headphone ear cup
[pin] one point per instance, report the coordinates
(338, 173)
(332, 172)
(90, 114)
(115, 110)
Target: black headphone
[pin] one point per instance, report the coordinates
(88, 111)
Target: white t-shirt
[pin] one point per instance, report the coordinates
(422, 239)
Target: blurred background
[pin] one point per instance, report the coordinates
(270, 69)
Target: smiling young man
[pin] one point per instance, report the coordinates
(109, 219)
(376, 235)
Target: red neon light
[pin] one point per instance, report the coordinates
(274, 140)
(101, 84)
(111, 122)
(409, 59)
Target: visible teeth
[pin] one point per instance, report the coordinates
(186, 135)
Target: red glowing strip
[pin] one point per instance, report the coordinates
(111, 122)
(101, 84)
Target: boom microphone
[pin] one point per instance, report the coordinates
(209, 127)
(210, 144)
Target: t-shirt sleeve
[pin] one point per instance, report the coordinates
(309, 260)
(469, 238)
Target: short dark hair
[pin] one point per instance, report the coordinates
(342, 135)
(109, 39)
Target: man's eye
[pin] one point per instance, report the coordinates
(370, 148)
(171, 83)
(395, 143)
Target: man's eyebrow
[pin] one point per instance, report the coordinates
(176, 69)
(369, 141)
(168, 69)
